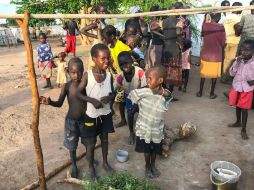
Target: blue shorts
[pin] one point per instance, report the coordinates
(128, 104)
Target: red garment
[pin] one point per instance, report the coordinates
(241, 99)
(70, 44)
(214, 40)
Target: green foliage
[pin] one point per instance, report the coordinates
(120, 181)
(11, 22)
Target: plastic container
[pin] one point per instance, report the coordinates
(224, 175)
(122, 156)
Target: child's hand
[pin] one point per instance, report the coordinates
(96, 103)
(44, 100)
(106, 99)
(251, 82)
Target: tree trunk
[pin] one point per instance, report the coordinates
(23, 24)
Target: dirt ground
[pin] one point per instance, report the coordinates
(187, 168)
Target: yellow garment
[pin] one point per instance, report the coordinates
(230, 54)
(210, 69)
(119, 47)
(61, 72)
(229, 23)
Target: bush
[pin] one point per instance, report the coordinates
(120, 181)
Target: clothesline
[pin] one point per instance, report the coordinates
(190, 11)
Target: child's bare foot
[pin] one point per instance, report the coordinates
(108, 168)
(244, 134)
(131, 139)
(149, 173)
(92, 174)
(121, 124)
(155, 171)
(199, 94)
(74, 172)
(236, 124)
(213, 96)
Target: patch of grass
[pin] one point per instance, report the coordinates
(120, 181)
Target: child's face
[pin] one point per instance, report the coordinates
(42, 39)
(108, 39)
(126, 67)
(152, 79)
(61, 57)
(102, 10)
(75, 73)
(246, 51)
(102, 60)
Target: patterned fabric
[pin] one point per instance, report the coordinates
(185, 59)
(242, 72)
(150, 121)
(247, 25)
(174, 70)
(44, 52)
(46, 69)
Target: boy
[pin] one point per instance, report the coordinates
(153, 103)
(241, 94)
(129, 79)
(75, 112)
(96, 88)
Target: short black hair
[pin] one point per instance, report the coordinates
(215, 16)
(252, 3)
(249, 42)
(98, 47)
(76, 61)
(108, 31)
(62, 54)
(178, 5)
(155, 8)
(160, 70)
(123, 57)
(237, 4)
(187, 44)
(223, 3)
(98, 6)
(43, 35)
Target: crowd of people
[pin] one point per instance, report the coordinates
(139, 70)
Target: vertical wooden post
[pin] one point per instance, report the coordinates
(23, 24)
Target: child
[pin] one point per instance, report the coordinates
(153, 103)
(61, 70)
(130, 78)
(241, 95)
(75, 112)
(96, 88)
(45, 60)
(186, 63)
(116, 47)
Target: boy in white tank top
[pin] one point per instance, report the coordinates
(98, 86)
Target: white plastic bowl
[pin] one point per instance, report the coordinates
(122, 156)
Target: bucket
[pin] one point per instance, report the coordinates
(224, 175)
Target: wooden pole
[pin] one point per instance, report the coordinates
(23, 24)
(191, 11)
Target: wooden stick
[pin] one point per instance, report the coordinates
(55, 171)
(23, 24)
(156, 13)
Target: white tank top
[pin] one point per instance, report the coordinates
(98, 90)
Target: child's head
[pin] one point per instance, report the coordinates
(237, 4)
(186, 44)
(101, 8)
(156, 76)
(109, 34)
(247, 49)
(125, 61)
(225, 3)
(215, 17)
(62, 56)
(252, 3)
(75, 69)
(42, 38)
(101, 56)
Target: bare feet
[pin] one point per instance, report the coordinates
(155, 171)
(92, 174)
(74, 172)
(236, 124)
(108, 168)
(213, 96)
(199, 94)
(244, 134)
(149, 173)
(131, 139)
(121, 124)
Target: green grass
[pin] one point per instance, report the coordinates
(120, 181)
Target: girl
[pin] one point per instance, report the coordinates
(130, 78)
(241, 95)
(153, 103)
(186, 63)
(45, 60)
(61, 70)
